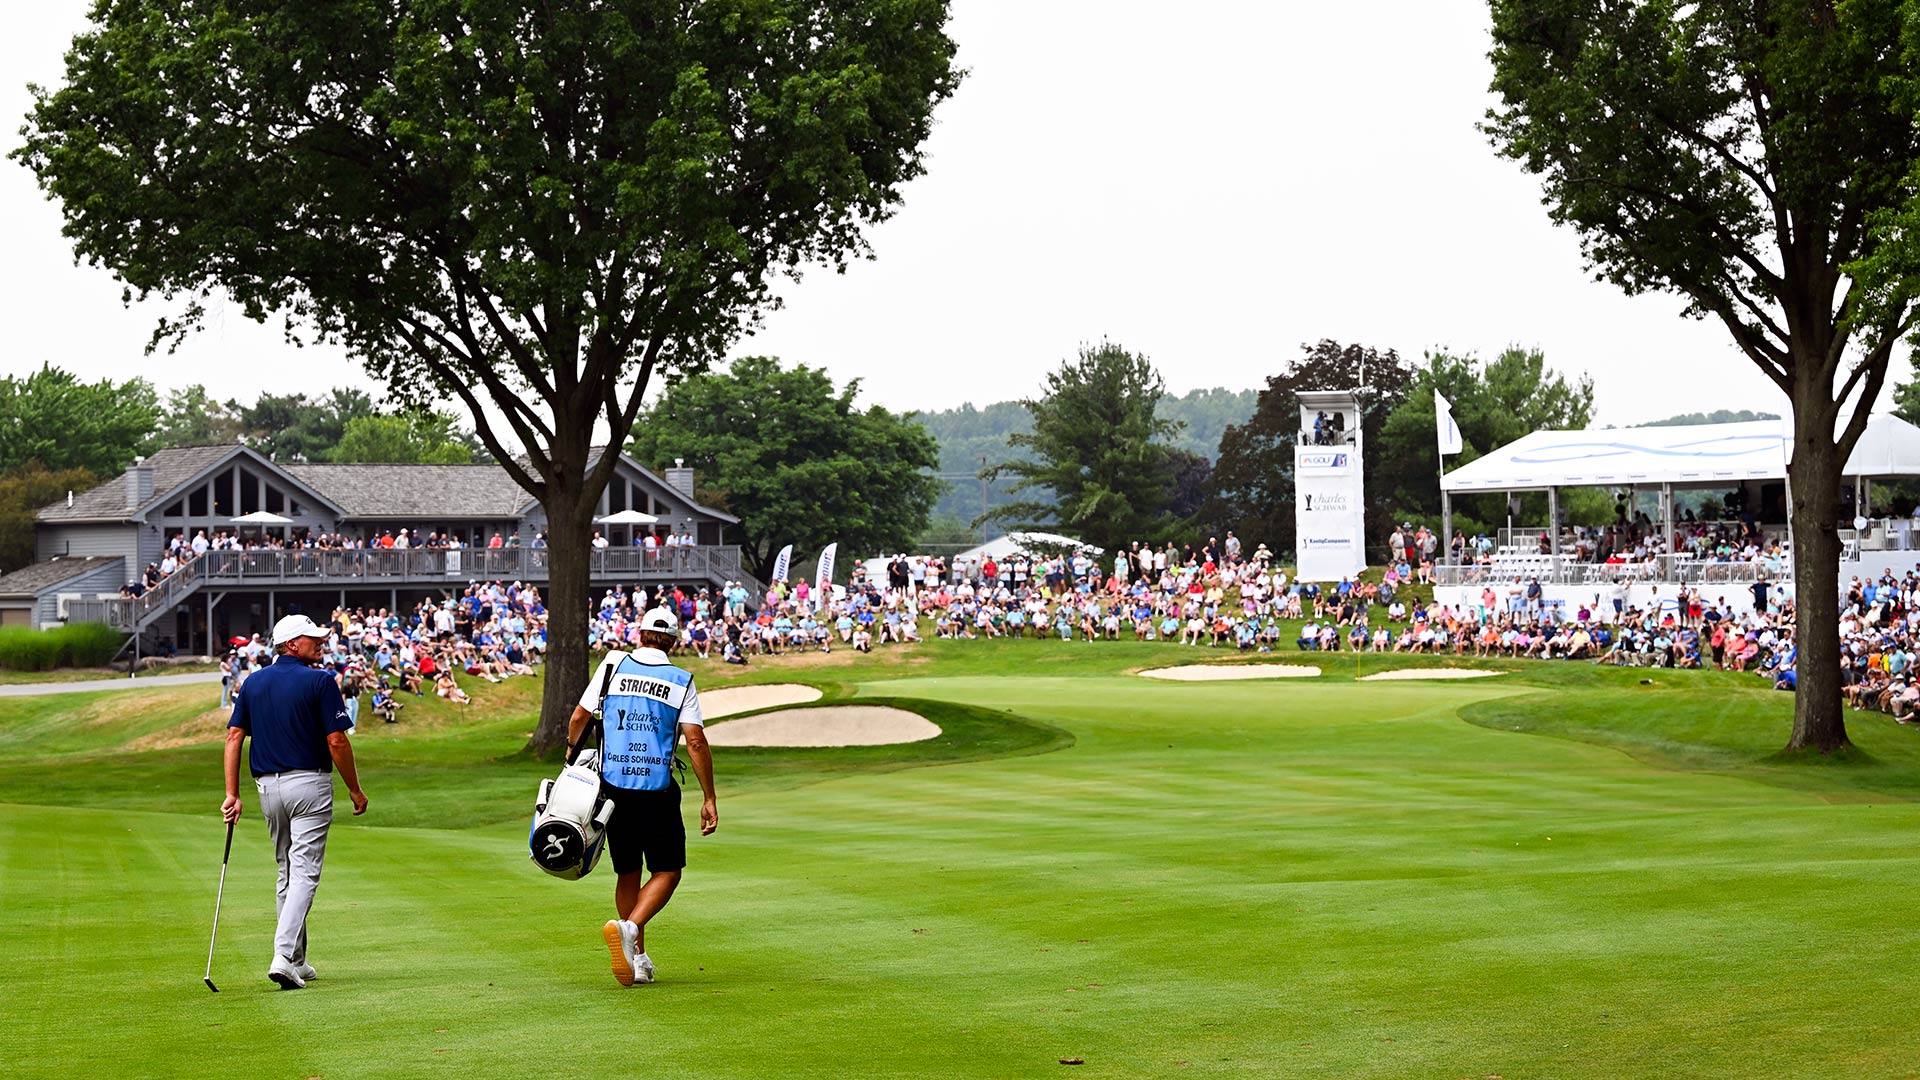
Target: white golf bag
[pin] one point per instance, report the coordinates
(570, 814)
(570, 820)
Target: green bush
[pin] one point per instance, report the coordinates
(78, 645)
(90, 644)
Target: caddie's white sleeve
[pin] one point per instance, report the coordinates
(590, 697)
(690, 709)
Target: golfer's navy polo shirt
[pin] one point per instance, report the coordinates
(289, 709)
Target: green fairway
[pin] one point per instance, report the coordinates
(1309, 877)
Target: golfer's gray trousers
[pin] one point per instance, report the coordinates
(298, 807)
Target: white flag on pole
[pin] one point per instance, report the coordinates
(1449, 432)
(782, 562)
(823, 577)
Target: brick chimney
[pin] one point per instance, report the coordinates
(680, 478)
(139, 483)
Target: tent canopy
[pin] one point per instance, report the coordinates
(627, 517)
(1031, 543)
(261, 517)
(1699, 455)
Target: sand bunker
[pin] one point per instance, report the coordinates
(829, 725)
(733, 700)
(1217, 672)
(1429, 673)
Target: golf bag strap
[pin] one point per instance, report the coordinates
(593, 725)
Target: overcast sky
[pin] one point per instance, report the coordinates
(1210, 183)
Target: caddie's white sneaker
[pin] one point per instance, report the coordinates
(642, 969)
(283, 973)
(305, 971)
(619, 935)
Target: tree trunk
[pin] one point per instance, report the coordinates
(1819, 718)
(569, 544)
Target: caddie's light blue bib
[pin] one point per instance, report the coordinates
(640, 721)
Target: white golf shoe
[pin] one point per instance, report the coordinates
(642, 969)
(305, 971)
(285, 974)
(620, 936)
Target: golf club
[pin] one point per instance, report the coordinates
(208, 977)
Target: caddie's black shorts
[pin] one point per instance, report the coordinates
(646, 825)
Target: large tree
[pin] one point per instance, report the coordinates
(1251, 490)
(414, 437)
(23, 492)
(530, 205)
(1098, 448)
(51, 417)
(1495, 402)
(1734, 154)
(190, 416)
(294, 427)
(795, 459)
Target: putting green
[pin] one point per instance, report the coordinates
(1315, 878)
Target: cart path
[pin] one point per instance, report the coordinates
(145, 682)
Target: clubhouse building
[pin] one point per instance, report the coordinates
(295, 521)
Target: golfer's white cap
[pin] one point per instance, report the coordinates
(293, 626)
(662, 620)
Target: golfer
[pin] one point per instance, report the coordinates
(299, 726)
(649, 705)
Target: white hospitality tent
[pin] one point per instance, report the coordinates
(1028, 543)
(627, 517)
(1699, 455)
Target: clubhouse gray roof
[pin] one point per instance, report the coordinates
(108, 502)
(38, 578)
(358, 492)
(416, 492)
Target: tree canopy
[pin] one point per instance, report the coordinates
(190, 416)
(971, 438)
(529, 206)
(294, 427)
(1746, 157)
(415, 437)
(1098, 448)
(23, 492)
(795, 458)
(1251, 490)
(51, 417)
(1495, 402)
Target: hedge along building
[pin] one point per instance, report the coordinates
(93, 543)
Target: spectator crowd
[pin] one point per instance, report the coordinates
(493, 631)
(1215, 594)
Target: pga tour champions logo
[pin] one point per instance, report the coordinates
(1323, 461)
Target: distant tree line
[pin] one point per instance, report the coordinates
(972, 438)
(1717, 416)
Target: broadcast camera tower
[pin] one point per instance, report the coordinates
(1329, 507)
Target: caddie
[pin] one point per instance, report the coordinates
(299, 723)
(649, 705)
